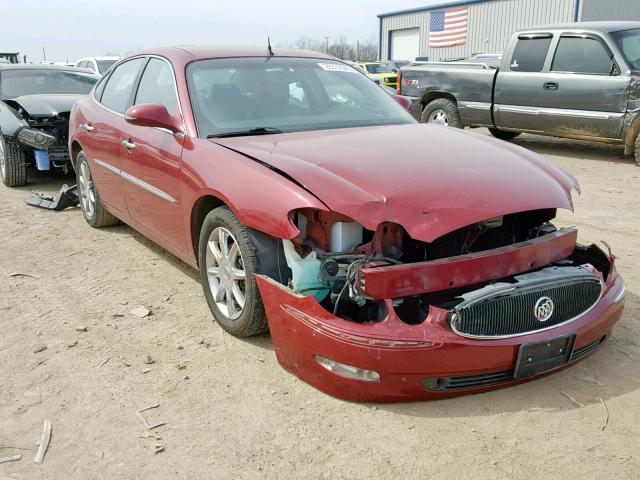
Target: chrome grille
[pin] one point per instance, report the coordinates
(510, 309)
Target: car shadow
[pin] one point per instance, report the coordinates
(579, 149)
(185, 268)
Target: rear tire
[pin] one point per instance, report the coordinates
(442, 111)
(13, 168)
(503, 134)
(228, 260)
(93, 211)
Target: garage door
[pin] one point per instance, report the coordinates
(405, 44)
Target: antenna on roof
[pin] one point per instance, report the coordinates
(269, 49)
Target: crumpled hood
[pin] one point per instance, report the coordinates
(42, 105)
(429, 179)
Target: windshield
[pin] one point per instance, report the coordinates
(15, 83)
(628, 42)
(379, 68)
(104, 65)
(266, 95)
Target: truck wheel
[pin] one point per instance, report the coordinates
(442, 111)
(228, 262)
(638, 151)
(13, 168)
(94, 213)
(503, 134)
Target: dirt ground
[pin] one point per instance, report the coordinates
(232, 412)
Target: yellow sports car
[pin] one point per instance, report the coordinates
(387, 74)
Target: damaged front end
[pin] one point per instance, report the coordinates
(379, 316)
(43, 132)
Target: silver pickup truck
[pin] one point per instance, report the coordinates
(579, 80)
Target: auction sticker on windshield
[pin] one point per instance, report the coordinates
(336, 67)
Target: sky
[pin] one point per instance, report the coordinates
(70, 29)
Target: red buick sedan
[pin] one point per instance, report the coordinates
(390, 260)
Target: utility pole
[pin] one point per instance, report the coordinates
(44, 54)
(326, 44)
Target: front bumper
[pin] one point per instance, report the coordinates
(410, 359)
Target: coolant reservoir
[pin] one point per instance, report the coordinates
(345, 236)
(304, 272)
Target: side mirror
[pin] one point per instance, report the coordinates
(403, 101)
(153, 115)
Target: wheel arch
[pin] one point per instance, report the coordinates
(429, 97)
(199, 211)
(632, 136)
(75, 149)
(267, 242)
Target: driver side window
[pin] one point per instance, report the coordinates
(158, 86)
(582, 55)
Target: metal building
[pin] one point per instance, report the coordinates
(419, 32)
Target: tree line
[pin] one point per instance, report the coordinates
(340, 47)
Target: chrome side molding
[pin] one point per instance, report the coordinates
(136, 181)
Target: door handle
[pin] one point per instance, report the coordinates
(551, 85)
(128, 145)
(88, 127)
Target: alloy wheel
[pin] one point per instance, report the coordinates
(439, 117)
(226, 273)
(87, 191)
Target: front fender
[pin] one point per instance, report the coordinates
(258, 196)
(10, 120)
(631, 128)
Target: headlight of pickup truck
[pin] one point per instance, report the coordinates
(36, 138)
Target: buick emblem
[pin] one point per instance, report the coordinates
(543, 309)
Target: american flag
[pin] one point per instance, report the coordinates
(448, 28)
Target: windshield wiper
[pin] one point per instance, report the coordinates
(247, 133)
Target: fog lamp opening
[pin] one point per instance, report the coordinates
(348, 371)
(621, 294)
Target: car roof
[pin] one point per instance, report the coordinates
(104, 57)
(201, 52)
(604, 27)
(33, 66)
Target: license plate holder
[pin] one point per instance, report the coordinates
(539, 357)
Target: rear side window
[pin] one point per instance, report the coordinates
(97, 92)
(530, 54)
(158, 86)
(117, 91)
(582, 55)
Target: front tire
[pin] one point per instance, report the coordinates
(228, 262)
(13, 168)
(93, 211)
(442, 111)
(503, 134)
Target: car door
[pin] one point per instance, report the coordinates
(151, 159)
(103, 123)
(584, 93)
(518, 90)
